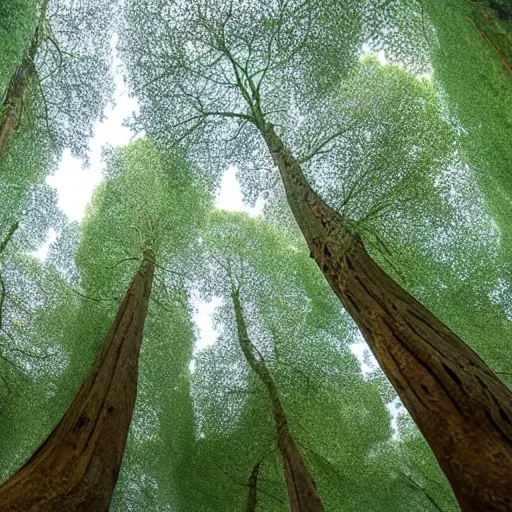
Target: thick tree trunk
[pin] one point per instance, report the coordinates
(76, 468)
(3, 244)
(252, 498)
(13, 105)
(301, 488)
(461, 407)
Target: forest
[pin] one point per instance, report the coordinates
(256, 255)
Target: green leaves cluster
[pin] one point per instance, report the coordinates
(415, 155)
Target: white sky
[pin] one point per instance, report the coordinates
(75, 184)
(381, 57)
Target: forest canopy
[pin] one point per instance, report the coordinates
(291, 285)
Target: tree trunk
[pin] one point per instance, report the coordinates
(3, 244)
(77, 466)
(12, 108)
(13, 105)
(252, 498)
(301, 488)
(463, 410)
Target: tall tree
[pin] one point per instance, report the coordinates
(302, 493)
(127, 218)
(216, 65)
(303, 337)
(18, 20)
(62, 80)
(78, 464)
(15, 97)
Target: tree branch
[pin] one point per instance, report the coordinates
(416, 485)
(15, 225)
(319, 149)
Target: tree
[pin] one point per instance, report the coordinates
(14, 102)
(20, 290)
(18, 20)
(335, 415)
(78, 464)
(302, 493)
(252, 496)
(60, 80)
(99, 418)
(217, 66)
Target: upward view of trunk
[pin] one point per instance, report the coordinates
(76, 468)
(13, 105)
(302, 492)
(461, 407)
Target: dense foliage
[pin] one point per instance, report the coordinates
(414, 151)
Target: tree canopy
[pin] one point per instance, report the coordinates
(398, 117)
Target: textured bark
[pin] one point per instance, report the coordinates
(302, 493)
(76, 468)
(460, 406)
(13, 105)
(252, 498)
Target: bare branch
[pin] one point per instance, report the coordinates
(96, 299)
(319, 149)
(416, 485)
(122, 261)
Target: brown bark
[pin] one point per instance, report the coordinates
(13, 105)
(77, 466)
(302, 493)
(252, 498)
(460, 406)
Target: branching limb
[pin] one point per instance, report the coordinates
(122, 261)
(319, 150)
(159, 303)
(96, 299)
(61, 57)
(8, 237)
(45, 106)
(422, 489)
(243, 484)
